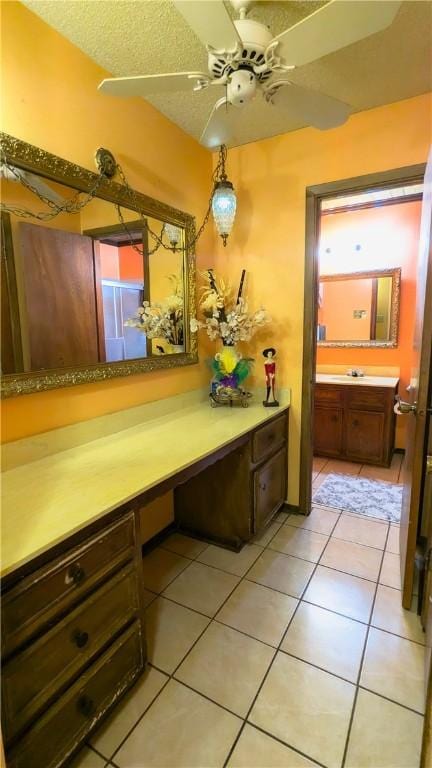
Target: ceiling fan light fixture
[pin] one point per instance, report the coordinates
(224, 204)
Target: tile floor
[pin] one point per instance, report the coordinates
(293, 653)
(323, 467)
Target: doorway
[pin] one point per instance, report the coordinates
(317, 197)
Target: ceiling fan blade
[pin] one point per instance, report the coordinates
(210, 21)
(35, 181)
(223, 124)
(147, 85)
(335, 25)
(312, 107)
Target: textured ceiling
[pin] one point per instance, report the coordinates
(149, 36)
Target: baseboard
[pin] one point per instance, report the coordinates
(158, 538)
(399, 450)
(292, 509)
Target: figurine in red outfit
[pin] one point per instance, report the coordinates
(270, 374)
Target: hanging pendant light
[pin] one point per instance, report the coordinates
(224, 200)
(173, 234)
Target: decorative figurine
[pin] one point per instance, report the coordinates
(270, 374)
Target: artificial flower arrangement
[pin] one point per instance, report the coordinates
(164, 319)
(225, 318)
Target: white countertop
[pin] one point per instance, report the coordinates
(365, 381)
(45, 500)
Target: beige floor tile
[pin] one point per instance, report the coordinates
(352, 558)
(368, 532)
(319, 480)
(319, 520)
(258, 611)
(202, 588)
(127, 712)
(255, 749)
(342, 467)
(314, 475)
(160, 567)
(226, 666)
(390, 571)
(283, 572)
(266, 536)
(318, 463)
(86, 758)
(393, 540)
(306, 708)
(171, 630)
(236, 563)
(298, 542)
(388, 474)
(389, 614)
(341, 592)
(181, 730)
(327, 640)
(184, 545)
(383, 735)
(394, 667)
(281, 517)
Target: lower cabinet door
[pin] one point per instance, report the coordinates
(328, 431)
(67, 722)
(364, 438)
(270, 482)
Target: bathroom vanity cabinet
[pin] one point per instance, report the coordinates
(73, 635)
(355, 422)
(235, 497)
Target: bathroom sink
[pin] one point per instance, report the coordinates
(367, 381)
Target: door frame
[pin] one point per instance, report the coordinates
(410, 174)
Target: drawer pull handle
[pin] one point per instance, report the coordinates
(355, 423)
(76, 574)
(334, 418)
(263, 486)
(86, 705)
(80, 638)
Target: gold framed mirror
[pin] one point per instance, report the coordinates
(73, 287)
(359, 309)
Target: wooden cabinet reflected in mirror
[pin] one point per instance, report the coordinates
(73, 286)
(360, 309)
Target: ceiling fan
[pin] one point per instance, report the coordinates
(246, 60)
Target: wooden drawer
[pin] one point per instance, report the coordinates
(56, 735)
(37, 599)
(36, 675)
(268, 438)
(328, 395)
(269, 488)
(370, 399)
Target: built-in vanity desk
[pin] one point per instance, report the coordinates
(354, 417)
(73, 637)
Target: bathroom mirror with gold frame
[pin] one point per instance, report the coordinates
(359, 309)
(73, 286)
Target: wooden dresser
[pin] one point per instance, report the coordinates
(234, 498)
(73, 637)
(72, 642)
(355, 422)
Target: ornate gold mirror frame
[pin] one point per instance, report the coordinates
(31, 158)
(395, 274)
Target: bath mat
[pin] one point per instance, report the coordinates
(362, 496)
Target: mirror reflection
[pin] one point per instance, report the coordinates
(358, 308)
(80, 290)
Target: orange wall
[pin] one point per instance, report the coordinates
(45, 75)
(268, 239)
(131, 264)
(389, 237)
(336, 313)
(49, 98)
